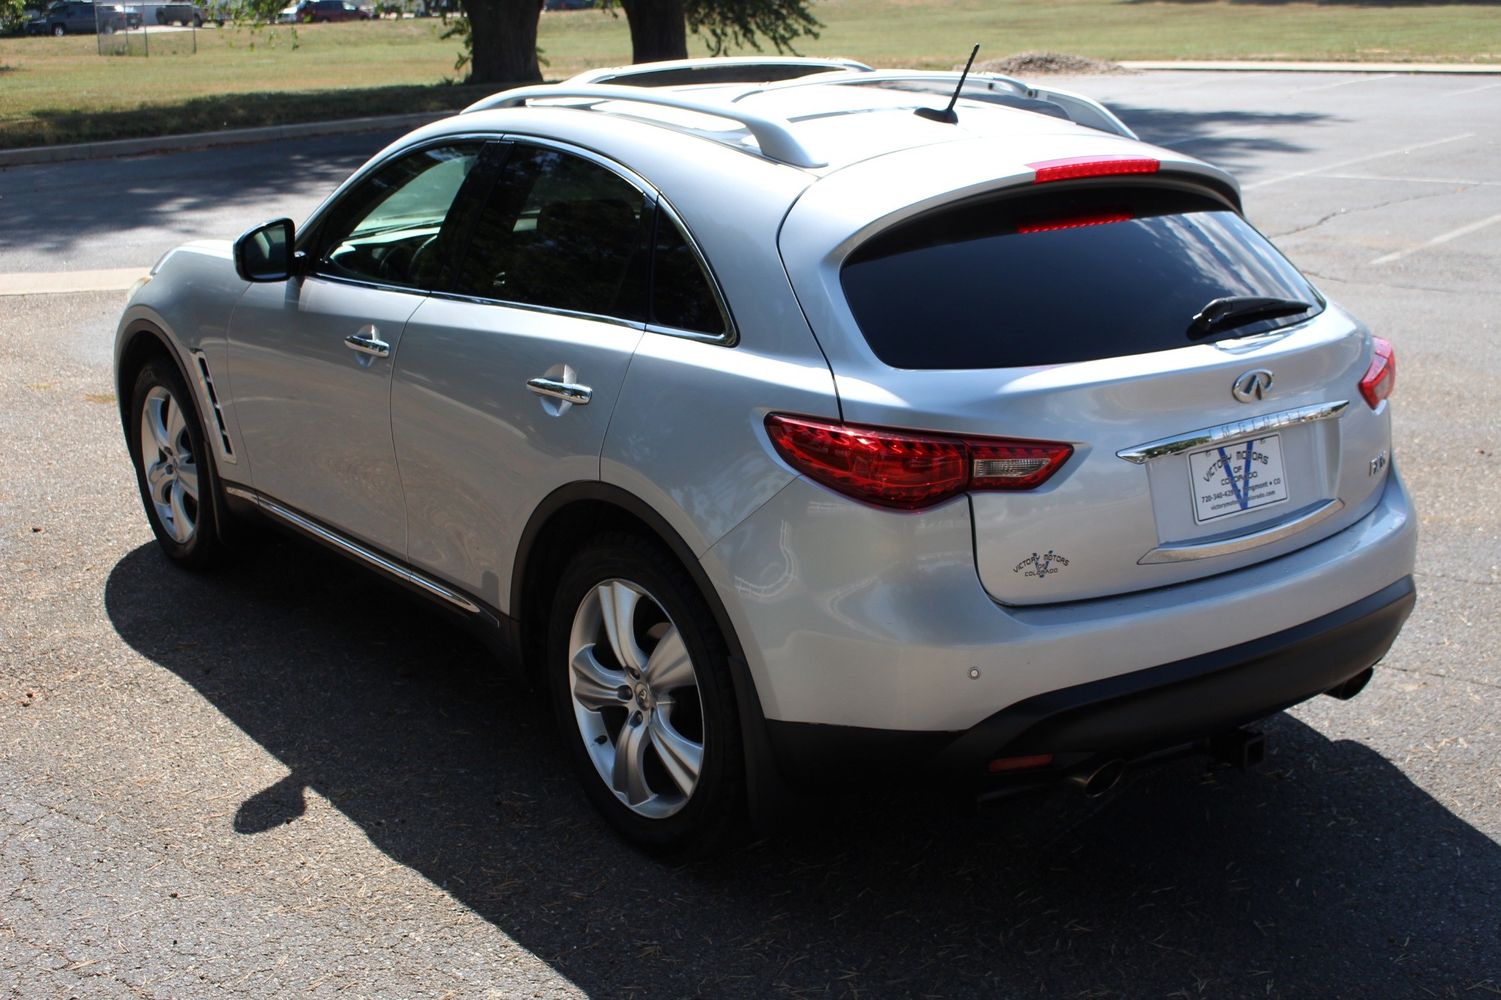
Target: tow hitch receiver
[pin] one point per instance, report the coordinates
(1242, 749)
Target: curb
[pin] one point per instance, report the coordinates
(202, 140)
(1455, 69)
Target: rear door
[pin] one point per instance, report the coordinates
(506, 382)
(1208, 391)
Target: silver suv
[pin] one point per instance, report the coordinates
(800, 429)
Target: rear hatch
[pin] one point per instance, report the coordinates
(1210, 394)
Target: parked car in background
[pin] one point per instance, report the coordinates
(186, 14)
(79, 17)
(797, 430)
(321, 11)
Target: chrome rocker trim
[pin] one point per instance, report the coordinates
(405, 574)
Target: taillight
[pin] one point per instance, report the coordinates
(909, 471)
(1075, 167)
(1381, 377)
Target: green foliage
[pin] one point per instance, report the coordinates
(13, 16)
(725, 24)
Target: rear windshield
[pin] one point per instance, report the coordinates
(1066, 276)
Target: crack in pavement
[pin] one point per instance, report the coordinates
(1368, 208)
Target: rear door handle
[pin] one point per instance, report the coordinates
(367, 341)
(569, 392)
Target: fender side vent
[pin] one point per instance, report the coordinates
(213, 398)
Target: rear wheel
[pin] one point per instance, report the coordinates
(174, 470)
(640, 682)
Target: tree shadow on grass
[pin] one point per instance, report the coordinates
(1328, 873)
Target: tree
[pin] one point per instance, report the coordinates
(503, 35)
(659, 27)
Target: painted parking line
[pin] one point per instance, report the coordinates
(1359, 159)
(1470, 90)
(1364, 78)
(1453, 234)
(1384, 179)
(118, 279)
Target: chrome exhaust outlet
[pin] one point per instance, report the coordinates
(1097, 779)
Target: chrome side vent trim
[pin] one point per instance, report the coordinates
(206, 379)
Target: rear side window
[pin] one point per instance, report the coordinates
(1062, 277)
(681, 296)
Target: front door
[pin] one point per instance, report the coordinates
(310, 359)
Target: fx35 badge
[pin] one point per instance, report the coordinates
(1039, 566)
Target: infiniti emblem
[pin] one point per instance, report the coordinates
(1253, 385)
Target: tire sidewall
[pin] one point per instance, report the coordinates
(203, 547)
(719, 795)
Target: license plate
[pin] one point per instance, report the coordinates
(1234, 478)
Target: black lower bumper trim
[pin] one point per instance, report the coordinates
(1132, 713)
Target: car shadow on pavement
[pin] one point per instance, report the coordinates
(1327, 873)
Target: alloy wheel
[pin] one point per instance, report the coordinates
(636, 699)
(169, 465)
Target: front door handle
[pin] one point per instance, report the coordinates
(367, 341)
(568, 392)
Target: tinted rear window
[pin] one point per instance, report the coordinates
(1061, 277)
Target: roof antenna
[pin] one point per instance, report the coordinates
(947, 115)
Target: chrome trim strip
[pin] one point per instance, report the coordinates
(1230, 546)
(387, 566)
(480, 300)
(1179, 443)
(568, 392)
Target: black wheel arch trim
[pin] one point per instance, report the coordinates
(143, 327)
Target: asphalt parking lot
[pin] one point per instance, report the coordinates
(288, 780)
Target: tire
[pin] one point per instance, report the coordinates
(649, 715)
(58, 31)
(174, 468)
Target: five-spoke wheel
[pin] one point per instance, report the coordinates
(173, 468)
(641, 683)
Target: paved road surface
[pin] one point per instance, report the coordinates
(285, 780)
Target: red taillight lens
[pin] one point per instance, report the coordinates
(910, 471)
(1076, 167)
(1381, 377)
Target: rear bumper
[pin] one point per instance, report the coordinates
(1125, 715)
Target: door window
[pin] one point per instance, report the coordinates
(681, 296)
(391, 228)
(562, 232)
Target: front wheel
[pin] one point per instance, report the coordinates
(174, 470)
(58, 31)
(640, 681)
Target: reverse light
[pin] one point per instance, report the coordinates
(908, 471)
(1381, 377)
(1075, 167)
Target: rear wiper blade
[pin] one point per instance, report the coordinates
(1238, 310)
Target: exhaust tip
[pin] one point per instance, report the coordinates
(1353, 686)
(1096, 780)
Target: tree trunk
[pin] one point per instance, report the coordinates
(658, 29)
(504, 33)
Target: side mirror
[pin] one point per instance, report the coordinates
(265, 253)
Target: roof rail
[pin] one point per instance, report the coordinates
(773, 135)
(1077, 108)
(717, 69)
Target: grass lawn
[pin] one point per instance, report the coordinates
(61, 90)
